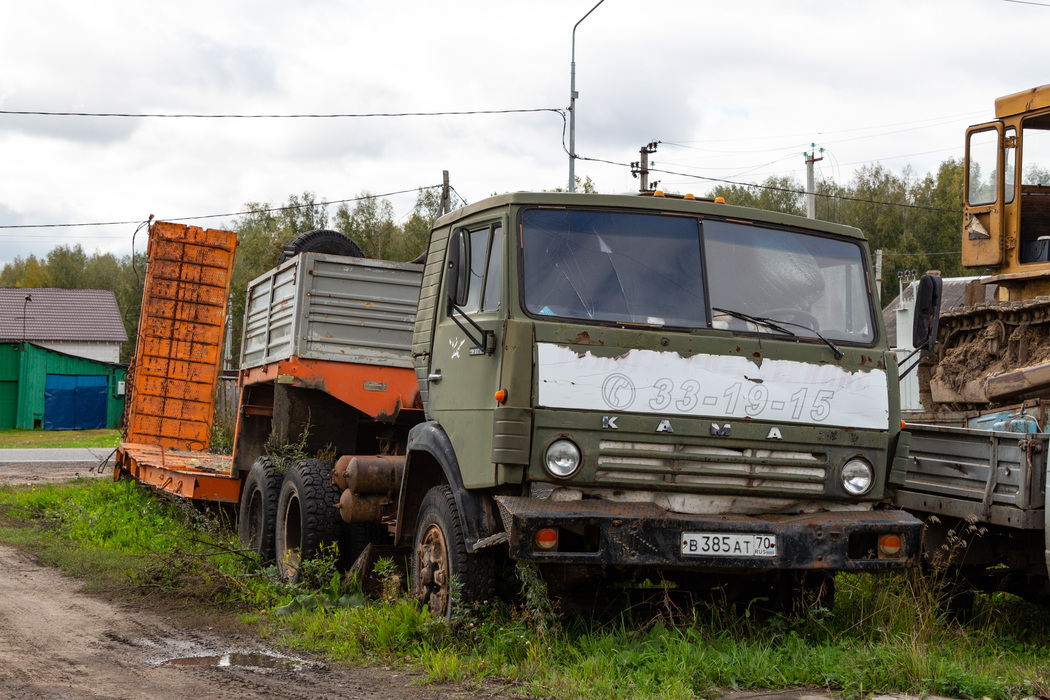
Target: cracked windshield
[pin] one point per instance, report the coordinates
(646, 269)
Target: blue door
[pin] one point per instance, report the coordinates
(75, 402)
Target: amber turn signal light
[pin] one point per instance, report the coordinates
(889, 545)
(501, 396)
(547, 538)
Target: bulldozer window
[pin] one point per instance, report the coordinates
(983, 159)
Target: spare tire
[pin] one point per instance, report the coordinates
(321, 240)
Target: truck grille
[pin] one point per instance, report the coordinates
(704, 468)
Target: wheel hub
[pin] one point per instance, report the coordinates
(432, 572)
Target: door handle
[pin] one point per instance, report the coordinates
(434, 376)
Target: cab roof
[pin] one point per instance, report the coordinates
(1021, 102)
(648, 203)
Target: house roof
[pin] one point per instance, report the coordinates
(953, 290)
(82, 315)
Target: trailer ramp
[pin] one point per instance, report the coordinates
(173, 376)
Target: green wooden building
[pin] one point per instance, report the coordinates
(59, 359)
(43, 388)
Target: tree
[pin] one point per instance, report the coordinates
(261, 235)
(370, 224)
(781, 194)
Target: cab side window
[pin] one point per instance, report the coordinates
(483, 285)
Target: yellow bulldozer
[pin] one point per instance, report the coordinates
(995, 353)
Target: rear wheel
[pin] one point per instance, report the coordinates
(439, 555)
(306, 516)
(257, 518)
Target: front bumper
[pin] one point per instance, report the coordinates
(643, 534)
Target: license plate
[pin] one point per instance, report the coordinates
(718, 544)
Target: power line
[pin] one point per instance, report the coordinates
(278, 116)
(921, 255)
(778, 189)
(219, 216)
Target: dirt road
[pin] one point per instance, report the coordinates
(58, 643)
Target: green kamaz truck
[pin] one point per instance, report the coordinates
(610, 387)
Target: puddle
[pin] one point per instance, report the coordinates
(251, 660)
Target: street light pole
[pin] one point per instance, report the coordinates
(572, 105)
(29, 298)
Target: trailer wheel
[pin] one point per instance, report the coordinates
(439, 553)
(257, 518)
(320, 241)
(306, 516)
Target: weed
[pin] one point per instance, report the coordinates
(539, 611)
(389, 579)
(886, 633)
(221, 438)
(284, 454)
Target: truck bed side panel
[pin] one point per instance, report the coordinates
(996, 477)
(332, 308)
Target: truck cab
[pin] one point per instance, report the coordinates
(654, 384)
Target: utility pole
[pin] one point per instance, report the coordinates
(572, 104)
(446, 199)
(641, 166)
(811, 197)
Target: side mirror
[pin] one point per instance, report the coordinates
(458, 267)
(926, 313)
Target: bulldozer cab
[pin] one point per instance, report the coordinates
(1006, 216)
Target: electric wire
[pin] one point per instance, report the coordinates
(219, 216)
(825, 195)
(158, 115)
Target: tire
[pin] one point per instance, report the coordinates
(320, 240)
(257, 517)
(439, 553)
(306, 516)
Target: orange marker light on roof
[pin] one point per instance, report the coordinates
(658, 193)
(720, 200)
(689, 196)
(501, 396)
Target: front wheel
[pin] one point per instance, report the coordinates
(439, 556)
(307, 517)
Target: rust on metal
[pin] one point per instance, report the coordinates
(196, 475)
(347, 382)
(362, 507)
(172, 379)
(628, 534)
(375, 474)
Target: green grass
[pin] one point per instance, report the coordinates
(20, 439)
(886, 633)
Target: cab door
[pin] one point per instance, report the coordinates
(982, 243)
(467, 353)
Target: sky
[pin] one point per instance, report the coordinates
(732, 91)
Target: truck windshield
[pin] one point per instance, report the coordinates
(604, 266)
(812, 283)
(649, 269)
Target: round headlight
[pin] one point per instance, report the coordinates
(857, 477)
(562, 458)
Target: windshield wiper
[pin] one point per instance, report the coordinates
(775, 325)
